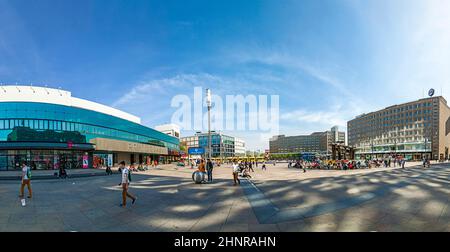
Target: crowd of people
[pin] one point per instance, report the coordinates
(346, 164)
(239, 169)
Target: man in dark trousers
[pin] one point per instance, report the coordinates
(209, 170)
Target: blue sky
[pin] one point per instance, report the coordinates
(327, 60)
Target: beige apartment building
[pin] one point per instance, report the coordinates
(413, 130)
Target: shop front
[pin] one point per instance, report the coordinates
(45, 156)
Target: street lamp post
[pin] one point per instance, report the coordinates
(208, 103)
(371, 144)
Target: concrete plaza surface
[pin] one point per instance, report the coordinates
(279, 199)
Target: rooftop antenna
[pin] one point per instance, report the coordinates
(31, 86)
(45, 88)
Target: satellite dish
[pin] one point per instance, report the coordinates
(431, 92)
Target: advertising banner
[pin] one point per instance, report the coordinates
(196, 151)
(110, 160)
(85, 162)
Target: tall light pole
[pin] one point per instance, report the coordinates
(208, 103)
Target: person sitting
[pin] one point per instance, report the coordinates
(246, 173)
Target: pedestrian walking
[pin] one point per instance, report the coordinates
(209, 169)
(235, 173)
(264, 166)
(250, 166)
(126, 179)
(26, 181)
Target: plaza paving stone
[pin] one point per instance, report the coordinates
(279, 199)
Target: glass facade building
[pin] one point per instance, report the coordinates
(222, 146)
(38, 128)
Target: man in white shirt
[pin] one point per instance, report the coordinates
(125, 183)
(26, 180)
(235, 173)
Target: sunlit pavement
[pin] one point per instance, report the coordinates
(279, 199)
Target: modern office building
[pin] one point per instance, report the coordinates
(239, 147)
(190, 142)
(169, 129)
(222, 145)
(316, 143)
(50, 128)
(414, 130)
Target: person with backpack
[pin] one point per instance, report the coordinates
(26, 180)
(126, 179)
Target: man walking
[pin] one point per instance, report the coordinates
(126, 178)
(26, 180)
(209, 169)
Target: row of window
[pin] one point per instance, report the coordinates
(45, 111)
(402, 109)
(10, 124)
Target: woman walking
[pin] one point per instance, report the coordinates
(26, 181)
(235, 173)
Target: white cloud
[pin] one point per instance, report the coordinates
(165, 86)
(317, 117)
(291, 63)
